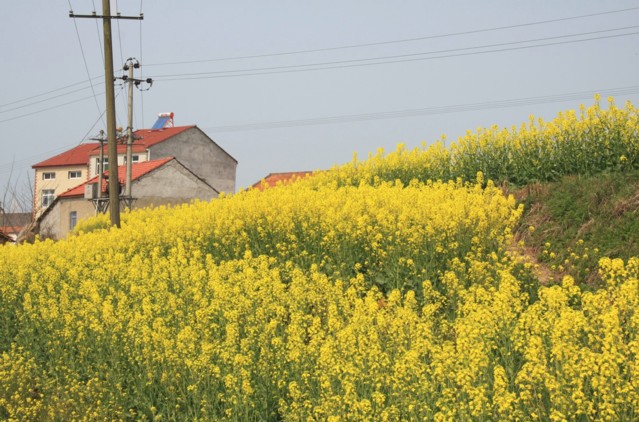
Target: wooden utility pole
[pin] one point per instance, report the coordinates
(114, 185)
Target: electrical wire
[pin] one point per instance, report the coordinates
(45, 100)
(84, 138)
(124, 102)
(52, 108)
(86, 66)
(395, 59)
(46, 93)
(141, 69)
(297, 70)
(56, 150)
(458, 108)
(452, 34)
(117, 9)
(305, 51)
(97, 29)
(89, 81)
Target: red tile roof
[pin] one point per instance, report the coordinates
(274, 178)
(73, 157)
(121, 150)
(148, 137)
(9, 230)
(80, 154)
(138, 170)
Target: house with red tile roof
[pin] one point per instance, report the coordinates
(274, 179)
(189, 144)
(165, 181)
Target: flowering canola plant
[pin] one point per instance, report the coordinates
(584, 142)
(383, 299)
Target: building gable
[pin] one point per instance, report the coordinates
(200, 154)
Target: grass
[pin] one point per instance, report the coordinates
(571, 223)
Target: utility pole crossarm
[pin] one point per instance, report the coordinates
(96, 16)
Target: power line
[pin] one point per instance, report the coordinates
(45, 100)
(46, 93)
(458, 108)
(141, 68)
(117, 8)
(51, 108)
(84, 138)
(97, 30)
(305, 51)
(394, 59)
(60, 149)
(124, 102)
(85, 63)
(452, 34)
(93, 126)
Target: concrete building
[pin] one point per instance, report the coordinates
(188, 144)
(165, 181)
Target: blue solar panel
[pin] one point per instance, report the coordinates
(159, 124)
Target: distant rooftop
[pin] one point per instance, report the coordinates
(75, 156)
(274, 178)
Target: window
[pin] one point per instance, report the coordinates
(97, 165)
(73, 219)
(48, 195)
(48, 175)
(134, 159)
(75, 174)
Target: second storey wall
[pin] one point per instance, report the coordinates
(58, 179)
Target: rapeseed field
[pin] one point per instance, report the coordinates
(384, 289)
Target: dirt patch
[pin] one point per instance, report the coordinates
(627, 205)
(529, 255)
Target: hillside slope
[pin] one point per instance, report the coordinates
(570, 224)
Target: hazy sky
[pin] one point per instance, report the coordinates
(302, 85)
